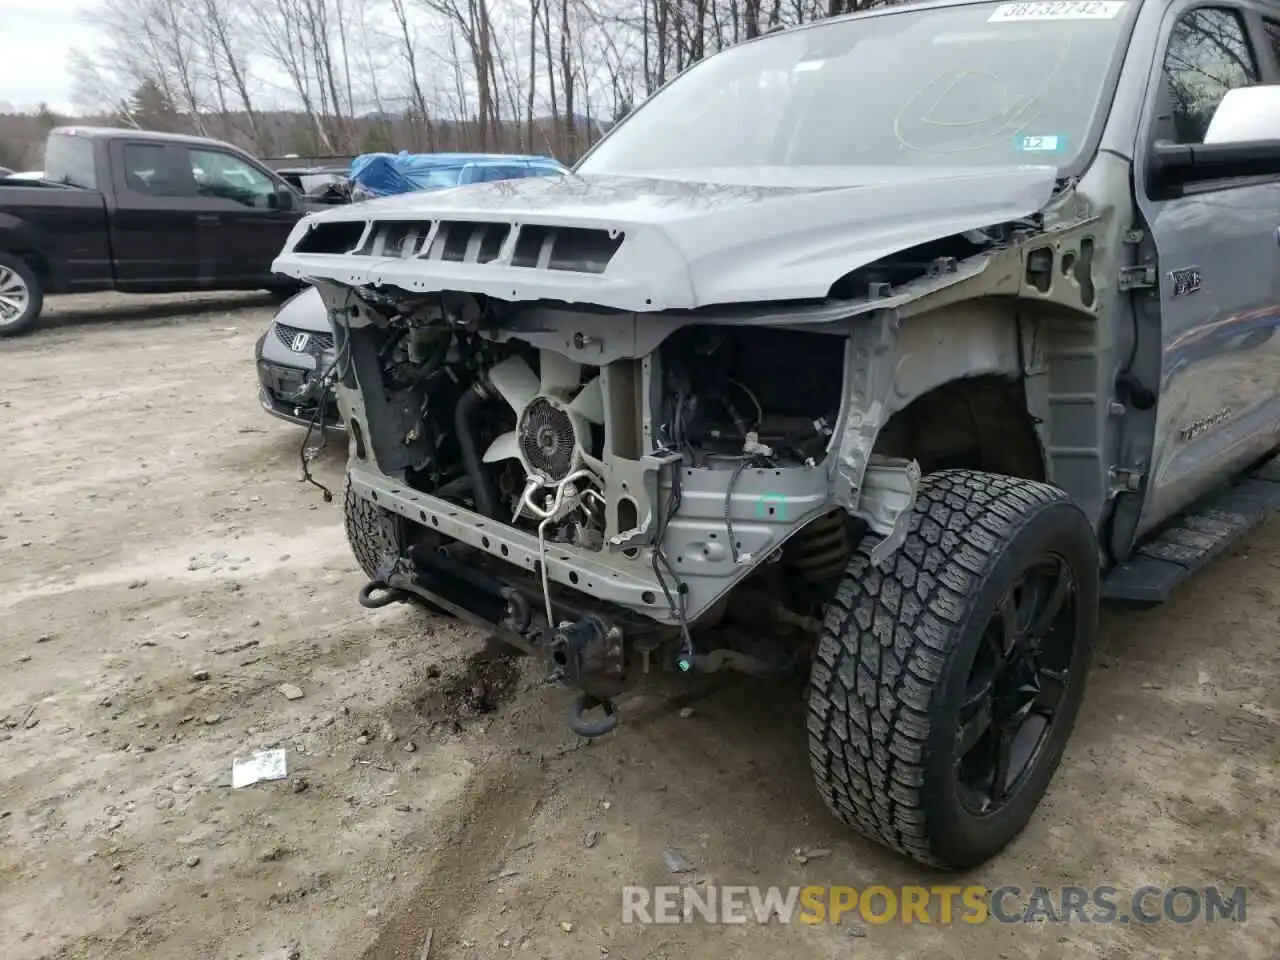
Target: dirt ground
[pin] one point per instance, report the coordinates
(165, 573)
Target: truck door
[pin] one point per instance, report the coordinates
(242, 223)
(1218, 255)
(153, 227)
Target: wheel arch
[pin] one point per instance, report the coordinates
(956, 393)
(20, 239)
(978, 422)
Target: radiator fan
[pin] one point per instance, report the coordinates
(554, 414)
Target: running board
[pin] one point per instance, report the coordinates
(1178, 550)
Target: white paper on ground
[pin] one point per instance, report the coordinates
(263, 765)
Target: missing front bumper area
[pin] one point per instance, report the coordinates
(632, 586)
(599, 617)
(728, 520)
(584, 650)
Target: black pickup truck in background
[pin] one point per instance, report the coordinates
(140, 212)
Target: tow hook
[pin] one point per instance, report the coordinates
(590, 729)
(375, 594)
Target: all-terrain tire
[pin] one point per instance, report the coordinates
(376, 536)
(16, 270)
(374, 533)
(893, 665)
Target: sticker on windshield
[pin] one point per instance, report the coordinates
(1044, 144)
(1057, 10)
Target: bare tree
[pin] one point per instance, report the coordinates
(285, 28)
(224, 36)
(335, 76)
(471, 20)
(408, 50)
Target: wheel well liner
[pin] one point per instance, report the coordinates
(979, 423)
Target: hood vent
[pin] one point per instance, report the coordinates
(537, 247)
(468, 241)
(395, 238)
(566, 248)
(338, 237)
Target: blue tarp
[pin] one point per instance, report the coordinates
(385, 174)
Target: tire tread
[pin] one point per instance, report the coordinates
(888, 634)
(371, 531)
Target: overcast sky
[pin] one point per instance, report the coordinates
(36, 36)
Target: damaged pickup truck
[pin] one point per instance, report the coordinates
(884, 347)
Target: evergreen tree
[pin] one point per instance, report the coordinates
(152, 109)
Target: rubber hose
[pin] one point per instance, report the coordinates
(482, 487)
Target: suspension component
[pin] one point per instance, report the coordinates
(820, 552)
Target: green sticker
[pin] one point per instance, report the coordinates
(776, 501)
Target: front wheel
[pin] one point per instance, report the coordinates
(377, 538)
(947, 681)
(21, 296)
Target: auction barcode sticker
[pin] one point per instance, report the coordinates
(1057, 10)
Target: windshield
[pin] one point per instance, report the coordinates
(979, 85)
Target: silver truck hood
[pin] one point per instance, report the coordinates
(648, 244)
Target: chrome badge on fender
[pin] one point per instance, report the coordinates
(1198, 428)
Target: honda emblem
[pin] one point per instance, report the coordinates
(300, 341)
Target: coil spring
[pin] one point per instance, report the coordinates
(820, 551)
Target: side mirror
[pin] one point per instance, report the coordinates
(1246, 114)
(1242, 142)
(282, 199)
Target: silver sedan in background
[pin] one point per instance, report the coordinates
(293, 355)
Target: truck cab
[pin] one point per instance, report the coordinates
(142, 212)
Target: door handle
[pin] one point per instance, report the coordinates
(214, 218)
